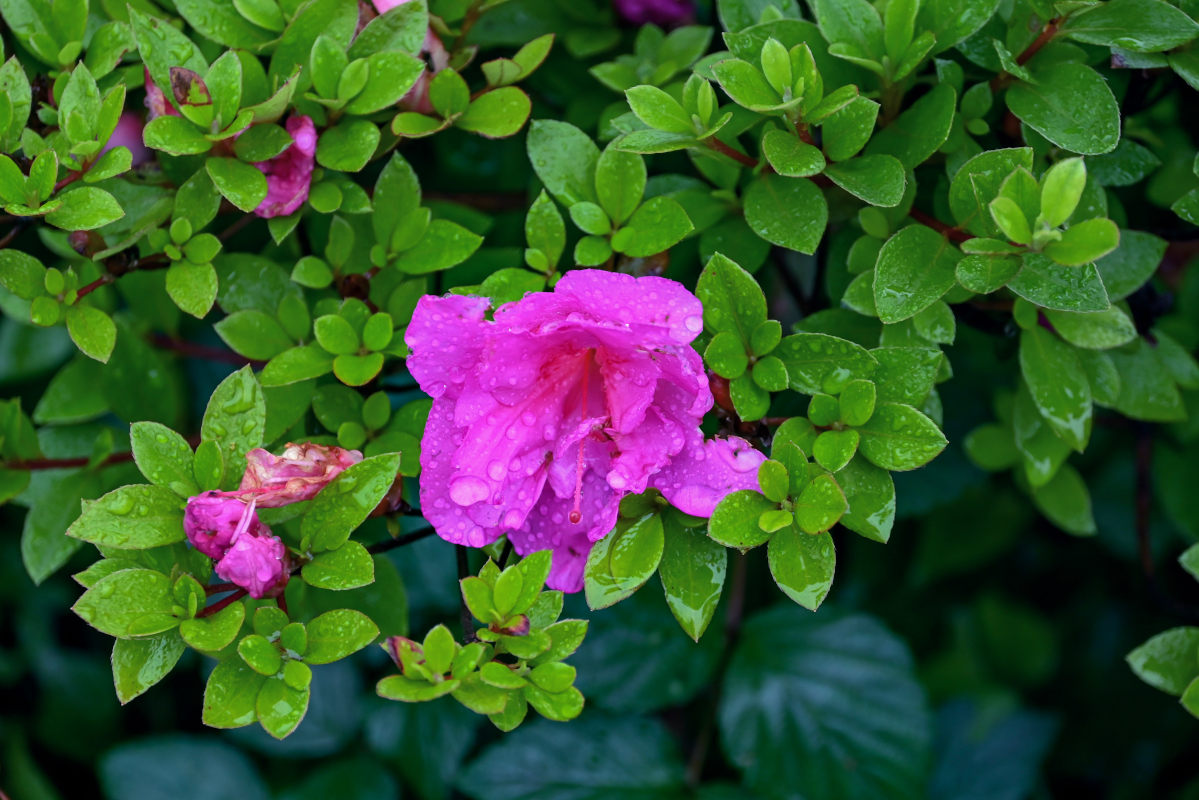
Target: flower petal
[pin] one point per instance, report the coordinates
(446, 337)
(700, 477)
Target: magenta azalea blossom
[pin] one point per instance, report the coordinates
(213, 520)
(544, 418)
(289, 174)
(667, 13)
(258, 564)
(298, 474)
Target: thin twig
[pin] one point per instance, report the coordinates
(1045, 37)
(952, 234)
(736, 155)
(66, 463)
(218, 606)
(103, 280)
(204, 352)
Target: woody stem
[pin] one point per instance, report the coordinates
(218, 606)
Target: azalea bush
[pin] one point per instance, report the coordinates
(564, 398)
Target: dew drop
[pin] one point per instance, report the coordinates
(468, 490)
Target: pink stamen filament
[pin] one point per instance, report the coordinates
(576, 515)
(243, 524)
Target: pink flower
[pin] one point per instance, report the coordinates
(157, 102)
(289, 174)
(128, 133)
(544, 418)
(258, 564)
(434, 54)
(658, 12)
(213, 520)
(298, 474)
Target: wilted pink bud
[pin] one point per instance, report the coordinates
(666, 13)
(438, 58)
(156, 102)
(298, 474)
(128, 133)
(289, 174)
(213, 521)
(258, 564)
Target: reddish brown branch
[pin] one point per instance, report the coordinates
(499, 201)
(1043, 38)
(218, 606)
(103, 280)
(204, 352)
(66, 463)
(952, 234)
(736, 155)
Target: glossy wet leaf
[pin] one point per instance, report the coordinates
(621, 562)
(802, 565)
(898, 437)
(692, 571)
(347, 500)
(133, 517)
(1058, 385)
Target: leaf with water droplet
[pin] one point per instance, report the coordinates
(133, 517)
(131, 602)
(898, 437)
(692, 571)
(346, 502)
(802, 565)
(163, 456)
(238, 400)
(138, 664)
(621, 562)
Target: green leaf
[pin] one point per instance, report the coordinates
(790, 708)
(1169, 661)
(1097, 330)
(619, 184)
(915, 268)
(564, 158)
(235, 419)
(734, 523)
(819, 505)
(85, 208)
(725, 355)
(802, 565)
(732, 300)
(747, 86)
(871, 496)
(216, 632)
(193, 287)
(817, 362)
(128, 603)
(1147, 390)
(230, 695)
(164, 457)
(879, 180)
(138, 664)
(898, 438)
(1058, 385)
(1135, 259)
(93, 331)
(402, 27)
(986, 273)
(692, 571)
(348, 145)
(280, 708)
(133, 517)
(791, 157)
(833, 449)
(1049, 285)
(1061, 189)
(1071, 106)
(496, 114)
(789, 212)
(336, 634)
(621, 562)
(253, 334)
(347, 567)
(1084, 242)
(659, 110)
(1143, 26)
(847, 130)
(445, 244)
(297, 364)
(656, 226)
(220, 22)
(175, 135)
(852, 22)
(1067, 503)
(919, 131)
(392, 74)
(347, 501)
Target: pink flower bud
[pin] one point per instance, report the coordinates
(298, 474)
(667, 13)
(128, 133)
(258, 564)
(213, 521)
(289, 174)
(156, 102)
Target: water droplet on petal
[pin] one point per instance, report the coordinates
(468, 490)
